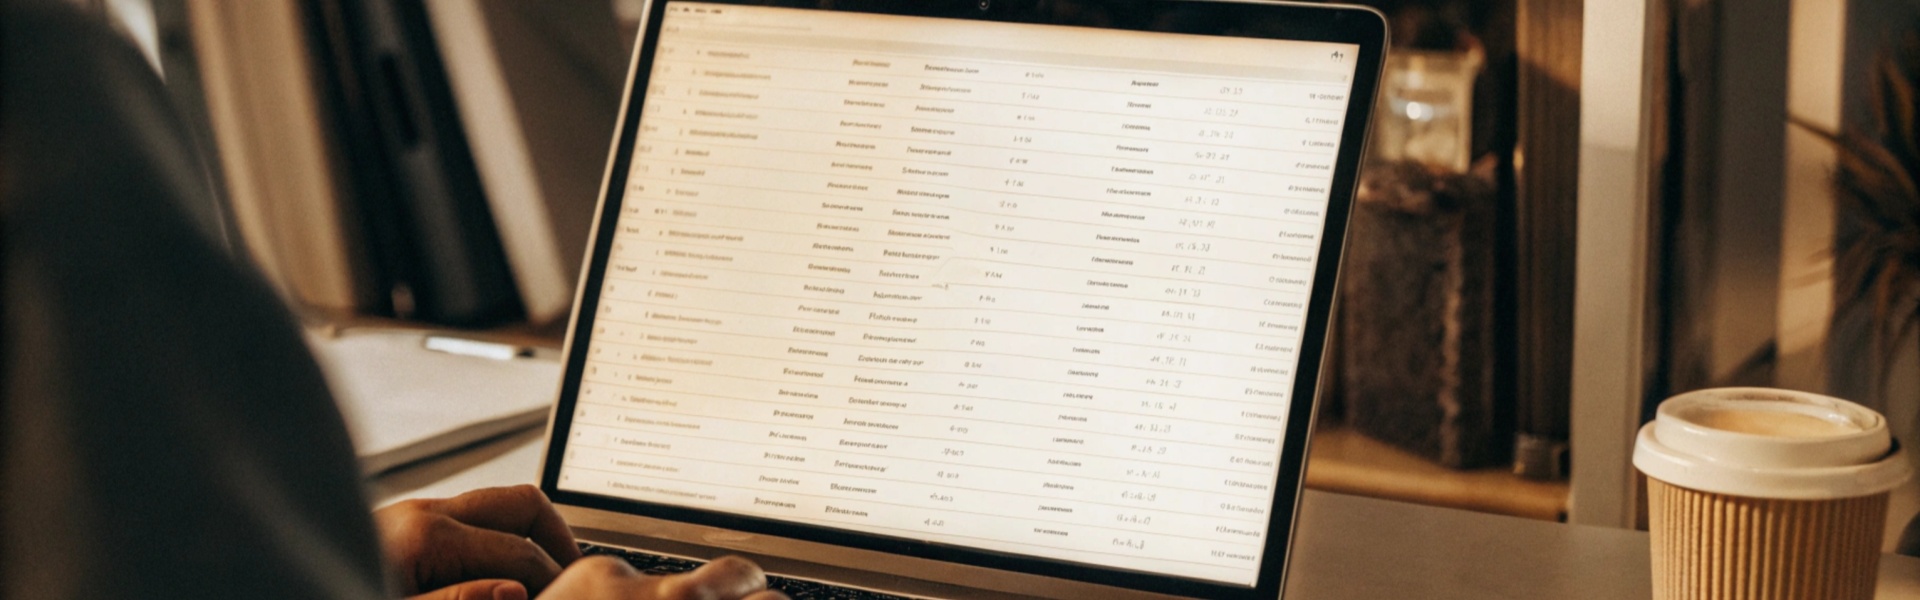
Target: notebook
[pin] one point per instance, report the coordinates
(994, 298)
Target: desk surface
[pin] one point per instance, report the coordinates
(1349, 547)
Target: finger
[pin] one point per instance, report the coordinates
(465, 552)
(725, 577)
(520, 510)
(485, 589)
(766, 595)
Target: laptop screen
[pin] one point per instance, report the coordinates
(1028, 289)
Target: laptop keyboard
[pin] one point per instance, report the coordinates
(798, 589)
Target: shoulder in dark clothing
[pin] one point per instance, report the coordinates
(163, 431)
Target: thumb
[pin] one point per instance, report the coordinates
(481, 589)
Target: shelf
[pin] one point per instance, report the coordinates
(1341, 460)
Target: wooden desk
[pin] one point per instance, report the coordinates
(1349, 547)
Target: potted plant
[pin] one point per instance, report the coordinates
(1877, 191)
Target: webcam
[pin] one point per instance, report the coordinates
(985, 4)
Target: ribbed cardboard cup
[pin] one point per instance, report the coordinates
(1789, 508)
(1709, 546)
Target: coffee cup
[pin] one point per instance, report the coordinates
(1758, 493)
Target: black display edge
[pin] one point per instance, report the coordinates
(1360, 26)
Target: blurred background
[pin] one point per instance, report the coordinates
(1719, 192)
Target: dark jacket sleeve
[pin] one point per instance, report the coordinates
(163, 431)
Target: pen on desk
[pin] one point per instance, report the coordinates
(476, 348)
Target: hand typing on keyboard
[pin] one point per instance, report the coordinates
(798, 589)
(509, 543)
(597, 577)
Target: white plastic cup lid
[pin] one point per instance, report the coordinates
(1769, 443)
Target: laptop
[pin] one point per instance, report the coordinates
(991, 298)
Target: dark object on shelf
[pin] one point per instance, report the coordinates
(1416, 346)
(417, 190)
(1537, 456)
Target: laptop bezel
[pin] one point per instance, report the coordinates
(1362, 27)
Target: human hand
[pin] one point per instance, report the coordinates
(609, 578)
(502, 543)
(488, 544)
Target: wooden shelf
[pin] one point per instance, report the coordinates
(1341, 460)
